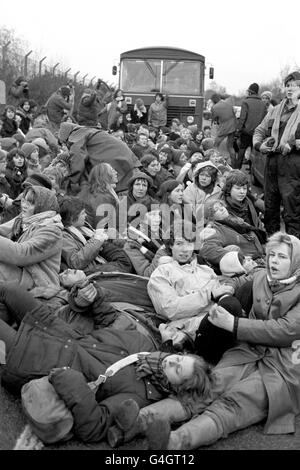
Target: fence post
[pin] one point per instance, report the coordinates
(40, 65)
(75, 76)
(83, 78)
(26, 63)
(53, 70)
(92, 79)
(4, 53)
(66, 73)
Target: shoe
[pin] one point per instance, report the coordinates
(115, 436)
(158, 433)
(127, 413)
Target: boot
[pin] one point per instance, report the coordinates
(158, 433)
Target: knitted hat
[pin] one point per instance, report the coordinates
(37, 179)
(19, 138)
(28, 148)
(267, 93)
(167, 187)
(140, 175)
(8, 143)
(3, 156)
(41, 143)
(295, 76)
(230, 264)
(253, 88)
(147, 159)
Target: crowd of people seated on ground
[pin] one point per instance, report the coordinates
(138, 237)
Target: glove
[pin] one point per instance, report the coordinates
(86, 295)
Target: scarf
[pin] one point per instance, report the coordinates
(288, 135)
(208, 189)
(239, 208)
(150, 366)
(22, 224)
(81, 234)
(278, 284)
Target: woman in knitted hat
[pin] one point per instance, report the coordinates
(45, 157)
(179, 159)
(205, 187)
(266, 97)
(31, 243)
(16, 170)
(31, 152)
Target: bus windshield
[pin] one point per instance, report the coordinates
(141, 76)
(168, 76)
(181, 78)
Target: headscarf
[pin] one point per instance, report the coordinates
(294, 272)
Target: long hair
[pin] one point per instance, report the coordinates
(197, 387)
(100, 178)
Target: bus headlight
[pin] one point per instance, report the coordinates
(190, 119)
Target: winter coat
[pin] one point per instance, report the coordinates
(88, 109)
(56, 105)
(252, 113)
(91, 146)
(182, 291)
(224, 114)
(217, 238)
(197, 198)
(76, 255)
(9, 127)
(98, 216)
(270, 339)
(157, 114)
(33, 260)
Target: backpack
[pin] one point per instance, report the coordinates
(46, 412)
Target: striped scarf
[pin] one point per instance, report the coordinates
(150, 366)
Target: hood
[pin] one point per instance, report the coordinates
(46, 199)
(294, 243)
(230, 264)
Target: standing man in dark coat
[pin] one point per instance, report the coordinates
(252, 113)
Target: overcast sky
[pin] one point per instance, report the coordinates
(246, 41)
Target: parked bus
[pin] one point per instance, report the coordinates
(177, 73)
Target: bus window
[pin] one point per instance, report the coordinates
(140, 76)
(182, 78)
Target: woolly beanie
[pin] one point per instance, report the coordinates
(37, 179)
(28, 148)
